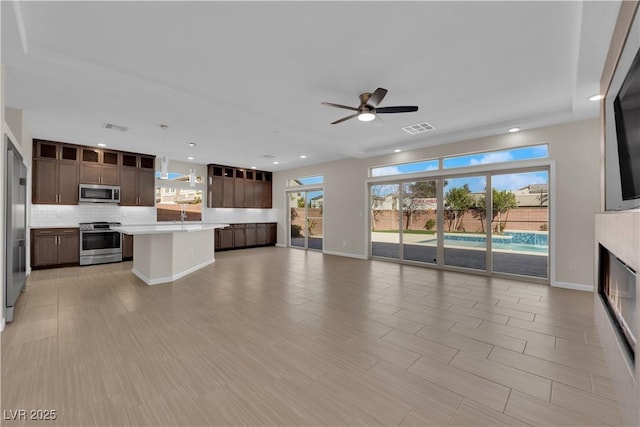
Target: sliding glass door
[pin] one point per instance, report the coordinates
(455, 222)
(385, 224)
(465, 234)
(520, 223)
(419, 221)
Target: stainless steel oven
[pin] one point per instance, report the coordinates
(99, 244)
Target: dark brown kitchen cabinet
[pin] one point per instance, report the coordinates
(55, 182)
(267, 191)
(99, 166)
(250, 235)
(127, 246)
(239, 235)
(58, 169)
(261, 234)
(53, 150)
(225, 238)
(137, 180)
(229, 187)
(54, 246)
(55, 173)
(220, 186)
(272, 233)
(246, 235)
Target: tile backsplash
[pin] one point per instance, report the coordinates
(238, 216)
(70, 216)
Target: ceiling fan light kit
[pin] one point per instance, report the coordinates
(368, 108)
(366, 116)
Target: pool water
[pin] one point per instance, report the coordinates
(509, 241)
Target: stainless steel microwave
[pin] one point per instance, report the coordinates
(99, 193)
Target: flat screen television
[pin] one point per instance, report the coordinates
(626, 108)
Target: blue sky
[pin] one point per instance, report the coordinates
(312, 180)
(516, 154)
(512, 181)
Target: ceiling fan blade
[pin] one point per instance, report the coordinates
(399, 109)
(378, 122)
(344, 119)
(376, 97)
(346, 107)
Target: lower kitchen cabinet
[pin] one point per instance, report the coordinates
(54, 246)
(248, 235)
(127, 246)
(224, 238)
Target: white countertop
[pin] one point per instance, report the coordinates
(165, 228)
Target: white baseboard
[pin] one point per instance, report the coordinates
(172, 278)
(3, 323)
(280, 245)
(574, 286)
(344, 254)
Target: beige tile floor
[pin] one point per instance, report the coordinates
(281, 337)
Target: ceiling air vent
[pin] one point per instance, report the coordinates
(115, 127)
(419, 128)
(268, 156)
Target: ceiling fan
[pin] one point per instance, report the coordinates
(369, 107)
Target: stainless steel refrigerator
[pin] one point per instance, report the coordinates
(15, 228)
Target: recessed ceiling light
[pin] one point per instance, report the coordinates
(253, 167)
(512, 130)
(275, 163)
(597, 97)
(397, 150)
(192, 144)
(100, 144)
(190, 158)
(302, 156)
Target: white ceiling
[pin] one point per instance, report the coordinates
(246, 79)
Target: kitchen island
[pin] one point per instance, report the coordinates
(163, 253)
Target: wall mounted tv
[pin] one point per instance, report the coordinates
(622, 127)
(626, 108)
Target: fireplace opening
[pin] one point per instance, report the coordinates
(617, 288)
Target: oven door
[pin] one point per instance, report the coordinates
(99, 242)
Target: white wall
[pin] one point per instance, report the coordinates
(574, 147)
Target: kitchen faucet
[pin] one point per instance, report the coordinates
(183, 214)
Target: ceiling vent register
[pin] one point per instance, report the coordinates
(115, 127)
(419, 128)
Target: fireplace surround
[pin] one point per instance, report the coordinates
(618, 233)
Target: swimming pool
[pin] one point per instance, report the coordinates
(512, 241)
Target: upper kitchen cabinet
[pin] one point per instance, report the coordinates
(263, 190)
(55, 173)
(59, 168)
(229, 187)
(51, 150)
(137, 180)
(99, 166)
(221, 184)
